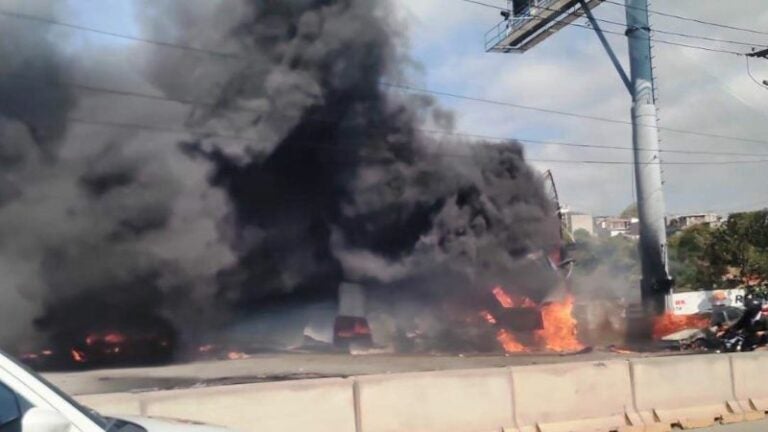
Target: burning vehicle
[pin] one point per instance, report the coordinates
(724, 329)
(138, 339)
(533, 312)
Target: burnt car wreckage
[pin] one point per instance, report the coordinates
(520, 312)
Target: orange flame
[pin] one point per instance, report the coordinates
(237, 355)
(78, 355)
(668, 323)
(508, 301)
(509, 342)
(559, 332)
(488, 317)
(110, 337)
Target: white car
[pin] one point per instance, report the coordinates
(29, 403)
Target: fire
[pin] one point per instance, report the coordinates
(358, 328)
(559, 332)
(509, 342)
(488, 317)
(560, 328)
(668, 323)
(235, 355)
(109, 337)
(77, 355)
(508, 301)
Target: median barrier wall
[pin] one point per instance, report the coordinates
(692, 391)
(325, 405)
(574, 397)
(749, 385)
(448, 401)
(651, 394)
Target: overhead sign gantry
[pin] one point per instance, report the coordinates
(528, 22)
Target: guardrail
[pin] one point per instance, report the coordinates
(650, 394)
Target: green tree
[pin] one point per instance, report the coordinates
(690, 258)
(702, 257)
(742, 244)
(581, 235)
(629, 212)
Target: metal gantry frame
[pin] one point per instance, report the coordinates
(543, 18)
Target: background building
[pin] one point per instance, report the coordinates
(610, 226)
(575, 221)
(689, 220)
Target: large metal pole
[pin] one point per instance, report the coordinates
(656, 282)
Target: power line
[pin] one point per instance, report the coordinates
(699, 21)
(590, 146)
(160, 129)
(599, 162)
(191, 103)
(51, 21)
(663, 41)
(707, 38)
(562, 113)
(749, 72)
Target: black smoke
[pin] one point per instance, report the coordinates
(336, 181)
(299, 171)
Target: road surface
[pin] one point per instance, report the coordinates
(756, 426)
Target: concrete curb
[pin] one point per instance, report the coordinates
(690, 391)
(749, 389)
(451, 401)
(568, 397)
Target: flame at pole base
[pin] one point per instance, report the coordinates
(559, 332)
(669, 323)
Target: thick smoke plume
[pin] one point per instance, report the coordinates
(300, 171)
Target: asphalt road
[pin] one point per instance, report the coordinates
(756, 426)
(277, 367)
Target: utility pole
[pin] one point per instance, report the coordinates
(656, 282)
(528, 23)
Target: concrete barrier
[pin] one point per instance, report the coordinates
(749, 385)
(691, 391)
(651, 394)
(324, 405)
(448, 401)
(574, 397)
